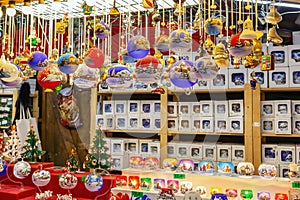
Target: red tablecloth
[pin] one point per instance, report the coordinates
(78, 191)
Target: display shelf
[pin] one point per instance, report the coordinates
(280, 135)
(206, 133)
(130, 131)
(124, 92)
(255, 183)
(209, 91)
(296, 89)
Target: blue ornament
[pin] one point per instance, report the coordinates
(119, 76)
(138, 47)
(3, 167)
(38, 60)
(180, 74)
(68, 63)
(180, 41)
(93, 182)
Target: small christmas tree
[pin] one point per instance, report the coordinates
(13, 146)
(98, 157)
(31, 149)
(72, 162)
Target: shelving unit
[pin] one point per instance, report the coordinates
(163, 133)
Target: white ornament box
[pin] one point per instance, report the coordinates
(224, 153)
(238, 78)
(221, 108)
(206, 108)
(295, 76)
(267, 108)
(267, 125)
(236, 124)
(236, 108)
(283, 126)
(279, 78)
(221, 80)
(270, 153)
(281, 57)
(287, 154)
(221, 124)
(209, 152)
(238, 153)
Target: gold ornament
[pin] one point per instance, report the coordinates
(248, 31)
(221, 56)
(273, 36)
(273, 17)
(209, 45)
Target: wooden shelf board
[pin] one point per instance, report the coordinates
(296, 89)
(279, 135)
(205, 133)
(130, 131)
(210, 90)
(124, 91)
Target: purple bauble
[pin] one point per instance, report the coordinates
(38, 60)
(138, 47)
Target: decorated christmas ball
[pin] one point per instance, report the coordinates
(9, 72)
(86, 77)
(50, 77)
(93, 182)
(205, 68)
(41, 177)
(213, 26)
(102, 30)
(180, 74)
(239, 48)
(138, 46)
(148, 69)
(22, 169)
(16, 82)
(94, 58)
(68, 181)
(245, 169)
(38, 60)
(3, 166)
(68, 63)
(180, 41)
(119, 76)
(162, 43)
(267, 170)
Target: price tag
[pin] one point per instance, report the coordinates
(296, 184)
(3, 100)
(137, 194)
(179, 176)
(83, 179)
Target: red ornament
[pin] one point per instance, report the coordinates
(50, 77)
(94, 58)
(148, 69)
(120, 196)
(235, 38)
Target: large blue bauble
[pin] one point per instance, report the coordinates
(68, 63)
(119, 76)
(93, 182)
(180, 74)
(180, 41)
(38, 61)
(138, 47)
(3, 167)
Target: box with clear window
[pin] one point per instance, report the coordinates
(207, 108)
(224, 153)
(221, 124)
(236, 124)
(221, 108)
(209, 152)
(267, 108)
(207, 124)
(236, 108)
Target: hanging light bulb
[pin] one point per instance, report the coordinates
(56, 5)
(41, 7)
(90, 2)
(26, 9)
(11, 11)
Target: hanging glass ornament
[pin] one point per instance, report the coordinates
(205, 68)
(102, 30)
(119, 76)
(213, 26)
(162, 43)
(86, 77)
(68, 63)
(238, 47)
(148, 70)
(16, 82)
(93, 182)
(9, 72)
(245, 169)
(180, 41)
(248, 31)
(94, 58)
(3, 166)
(68, 181)
(273, 17)
(138, 47)
(221, 56)
(41, 177)
(38, 60)
(209, 45)
(50, 77)
(180, 74)
(22, 169)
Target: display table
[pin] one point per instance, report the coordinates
(255, 183)
(80, 192)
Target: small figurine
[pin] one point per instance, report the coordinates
(253, 80)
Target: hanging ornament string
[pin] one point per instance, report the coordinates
(200, 23)
(38, 29)
(12, 54)
(84, 37)
(256, 14)
(227, 22)
(20, 27)
(55, 39)
(204, 19)
(163, 14)
(5, 33)
(146, 27)
(31, 32)
(240, 22)
(232, 26)
(94, 29)
(209, 9)
(179, 15)
(9, 36)
(221, 18)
